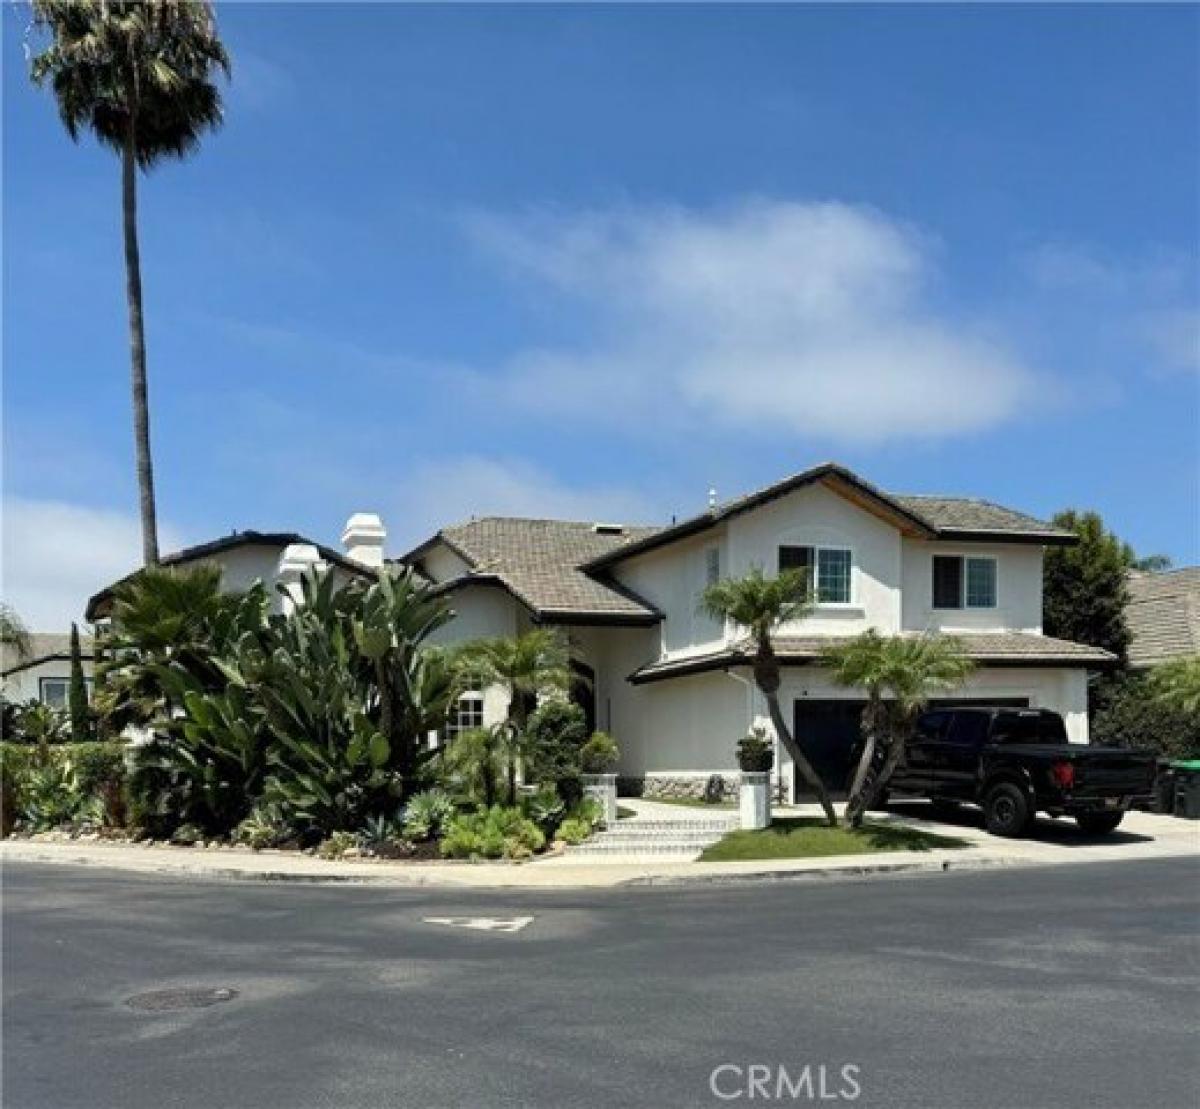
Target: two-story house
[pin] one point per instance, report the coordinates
(674, 686)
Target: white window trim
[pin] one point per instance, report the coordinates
(962, 605)
(837, 606)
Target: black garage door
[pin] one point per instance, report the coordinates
(829, 732)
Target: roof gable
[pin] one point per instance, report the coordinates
(540, 563)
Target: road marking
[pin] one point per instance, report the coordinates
(482, 923)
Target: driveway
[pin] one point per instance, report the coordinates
(1048, 988)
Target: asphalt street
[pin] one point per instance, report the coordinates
(1031, 989)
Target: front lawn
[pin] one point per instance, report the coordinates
(812, 838)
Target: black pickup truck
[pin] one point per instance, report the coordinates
(1016, 763)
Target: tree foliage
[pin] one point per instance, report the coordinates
(1132, 712)
(77, 698)
(1085, 588)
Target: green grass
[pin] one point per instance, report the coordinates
(812, 838)
(624, 814)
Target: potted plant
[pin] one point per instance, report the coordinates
(756, 757)
(598, 759)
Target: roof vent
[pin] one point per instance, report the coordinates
(609, 529)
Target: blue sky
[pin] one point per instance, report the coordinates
(592, 261)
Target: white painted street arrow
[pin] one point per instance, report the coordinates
(482, 923)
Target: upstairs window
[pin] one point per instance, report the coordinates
(712, 565)
(826, 568)
(964, 582)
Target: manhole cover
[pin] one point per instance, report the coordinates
(165, 1001)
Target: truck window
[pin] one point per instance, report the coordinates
(933, 725)
(969, 729)
(1032, 727)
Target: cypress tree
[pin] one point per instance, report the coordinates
(77, 701)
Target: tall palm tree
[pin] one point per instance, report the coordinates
(138, 74)
(760, 605)
(527, 666)
(899, 675)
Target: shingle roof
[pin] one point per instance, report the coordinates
(966, 514)
(42, 646)
(985, 648)
(1163, 615)
(539, 561)
(932, 517)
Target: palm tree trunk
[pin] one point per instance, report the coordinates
(137, 352)
(877, 783)
(766, 676)
(854, 805)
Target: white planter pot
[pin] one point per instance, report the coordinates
(603, 787)
(755, 799)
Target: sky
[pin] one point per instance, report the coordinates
(590, 262)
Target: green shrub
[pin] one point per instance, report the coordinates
(588, 811)
(574, 831)
(427, 815)
(600, 754)
(1130, 715)
(498, 832)
(266, 826)
(755, 752)
(337, 845)
(81, 784)
(553, 739)
(546, 809)
(50, 796)
(187, 835)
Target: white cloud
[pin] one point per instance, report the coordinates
(449, 490)
(56, 555)
(773, 316)
(1175, 335)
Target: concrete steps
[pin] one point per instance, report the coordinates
(681, 838)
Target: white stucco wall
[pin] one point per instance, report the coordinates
(25, 685)
(1018, 588)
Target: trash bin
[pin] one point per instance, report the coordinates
(1164, 788)
(1187, 788)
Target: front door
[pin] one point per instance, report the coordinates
(829, 733)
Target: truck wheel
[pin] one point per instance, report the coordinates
(1098, 823)
(1006, 810)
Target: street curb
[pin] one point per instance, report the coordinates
(855, 870)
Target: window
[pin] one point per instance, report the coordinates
(833, 576)
(53, 692)
(465, 715)
(828, 570)
(964, 582)
(712, 565)
(1031, 726)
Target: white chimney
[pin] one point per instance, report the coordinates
(297, 559)
(363, 538)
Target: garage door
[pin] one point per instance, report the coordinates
(828, 731)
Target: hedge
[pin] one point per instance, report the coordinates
(100, 771)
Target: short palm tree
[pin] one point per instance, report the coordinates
(899, 675)
(760, 604)
(138, 74)
(527, 666)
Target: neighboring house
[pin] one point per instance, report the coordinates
(675, 687)
(1163, 615)
(270, 557)
(44, 674)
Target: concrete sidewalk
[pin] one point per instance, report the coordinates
(1053, 843)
